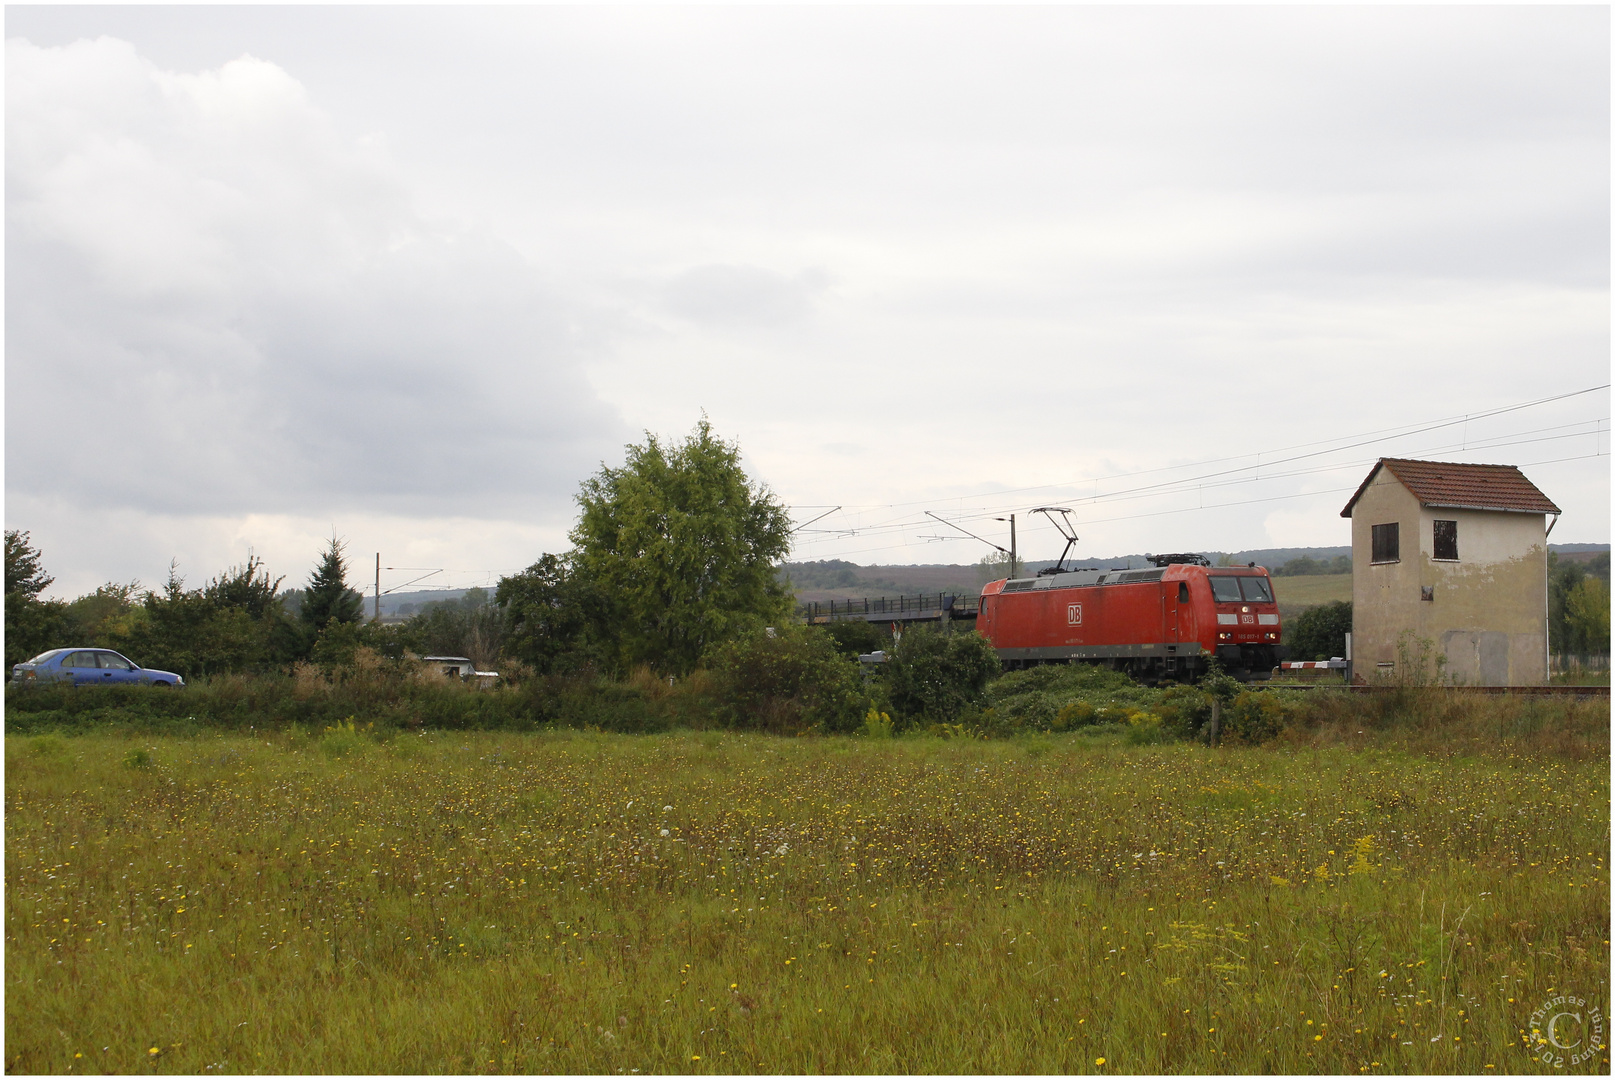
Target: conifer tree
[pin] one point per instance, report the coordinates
(328, 597)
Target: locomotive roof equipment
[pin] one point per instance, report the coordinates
(1067, 530)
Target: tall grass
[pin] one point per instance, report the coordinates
(366, 900)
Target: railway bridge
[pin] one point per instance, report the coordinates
(930, 607)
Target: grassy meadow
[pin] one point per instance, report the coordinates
(1351, 899)
(1296, 594)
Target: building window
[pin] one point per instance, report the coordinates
(1387, 543)
(1446, 540)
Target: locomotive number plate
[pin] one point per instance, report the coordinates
(1248, 620)
(1073, 614)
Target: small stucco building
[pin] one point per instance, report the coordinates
(1458, 555)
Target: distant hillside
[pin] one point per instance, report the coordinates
(837, 579)
(405, 604)
(1594, 558)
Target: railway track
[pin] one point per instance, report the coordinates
(1524, 691)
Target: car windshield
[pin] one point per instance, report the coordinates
(1257, 590)
(1225, 588)
(46, 655)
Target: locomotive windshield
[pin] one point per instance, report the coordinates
(1225, 589)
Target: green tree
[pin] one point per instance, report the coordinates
(32, 625)
(236, 622)
(550, 616)
(1563, 578)
(681, 546)
(246, 587)
(854, 637)
(790, 681)
(1305, 564)
(1587, 616)
(1319, 633)
(328, 597)
(935, 674)
(25, 571)
(472, 626)
(994, 566)
(106, 616)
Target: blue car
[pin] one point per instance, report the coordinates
(89, 667)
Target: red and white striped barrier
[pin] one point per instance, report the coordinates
(1301, 665)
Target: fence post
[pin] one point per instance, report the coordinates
(1216, 720)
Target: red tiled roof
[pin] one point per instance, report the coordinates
(1458, 485)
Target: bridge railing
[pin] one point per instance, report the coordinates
(898, 608)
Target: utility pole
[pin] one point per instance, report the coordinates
(1014, 563)
(378, 586)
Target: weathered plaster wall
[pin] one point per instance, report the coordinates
(1488, 611)
(1384, 597)
(1489, 607)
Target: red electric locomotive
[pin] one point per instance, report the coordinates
(1162, 623)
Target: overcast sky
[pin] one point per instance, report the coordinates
(412, 273)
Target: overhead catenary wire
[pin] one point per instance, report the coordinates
(1350, 441)
(981, 514)
(1226, 477)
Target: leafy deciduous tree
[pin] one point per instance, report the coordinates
(933, 674)
(550, 615)
(1587, 615)
(681, 546)
(472, 626)
(1319, 633)
(789, 682)
(25, 572)
(32, 624)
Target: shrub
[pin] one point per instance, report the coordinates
(1062, 697)
(791, 680)
(341, 739)
(1319, 633)
(1254, 717)
(1144, 728)
(1076, 714)
(854, 637)
(877, 725)
(1184, 710)
(935, 675)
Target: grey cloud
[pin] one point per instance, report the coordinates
(293, 339)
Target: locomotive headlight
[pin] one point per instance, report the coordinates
(1224, 636)
(1245, 609)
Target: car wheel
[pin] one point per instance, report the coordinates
(161, 682)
